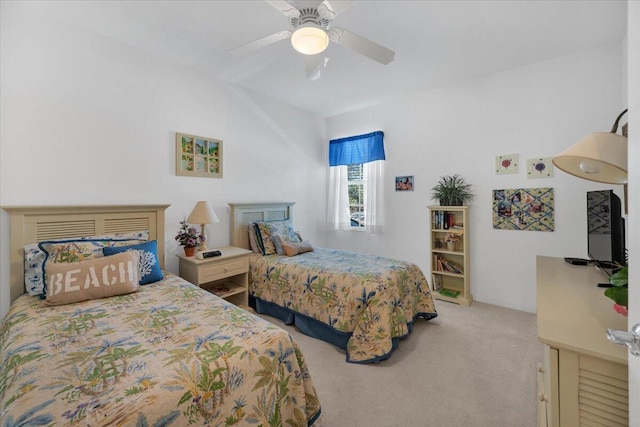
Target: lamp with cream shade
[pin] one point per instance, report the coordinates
(202, 214)
(599, 156)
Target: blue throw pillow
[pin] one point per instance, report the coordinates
(149, 267)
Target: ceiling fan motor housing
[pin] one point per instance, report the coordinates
(309, 17)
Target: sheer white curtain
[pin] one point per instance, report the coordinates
(374, 197)
(338, 212)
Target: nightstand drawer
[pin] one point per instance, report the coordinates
(223, 269)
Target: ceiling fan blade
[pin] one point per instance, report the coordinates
(260, 43)
(361, 45)
(285, 8)
(330, 9)
(313, 65)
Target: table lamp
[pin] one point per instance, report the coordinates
(202, 214)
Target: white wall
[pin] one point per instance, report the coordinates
(633, 93)
(86, 120)
(534, 111)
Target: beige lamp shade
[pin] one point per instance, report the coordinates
(310, 40)
(202, 214)
(599, 156)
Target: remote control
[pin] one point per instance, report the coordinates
(577, 261)
(605, 285)
(208, 254)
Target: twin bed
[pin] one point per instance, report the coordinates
(363, 304)
(168, 354)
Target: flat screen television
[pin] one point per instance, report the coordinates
(605, 226)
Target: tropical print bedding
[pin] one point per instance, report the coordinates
(169, 355)
(376, 299)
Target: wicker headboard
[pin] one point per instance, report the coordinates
(32, 224)
(245, 213)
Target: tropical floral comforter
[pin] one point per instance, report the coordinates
(376, 299)
(169, 355)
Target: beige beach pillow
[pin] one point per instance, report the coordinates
(102, 277)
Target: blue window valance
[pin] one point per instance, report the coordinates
(357, 149)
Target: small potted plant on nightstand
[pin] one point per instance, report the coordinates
(452, 190)
(188, 237)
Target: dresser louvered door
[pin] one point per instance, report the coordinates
(593, 391)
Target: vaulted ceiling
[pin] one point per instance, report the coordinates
(436, 43)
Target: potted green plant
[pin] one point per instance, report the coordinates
(452, 190)
(619, 292)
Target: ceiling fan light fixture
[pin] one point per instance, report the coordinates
(310, 40)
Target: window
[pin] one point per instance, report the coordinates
(355, 183)
(355, 188)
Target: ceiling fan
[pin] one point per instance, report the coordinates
(311, 32)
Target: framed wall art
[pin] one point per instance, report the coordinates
(540, 168)
(404, 183)
(523, 209)
(507, 164)
(198, 156)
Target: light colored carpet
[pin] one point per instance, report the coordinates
(470, 366)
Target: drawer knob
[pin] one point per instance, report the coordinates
(226, 269)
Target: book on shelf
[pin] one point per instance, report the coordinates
(449, 292)
(444, 264)
(436, 282)
(443, 220)
(437, 219)
(218, 289)
(452, 266)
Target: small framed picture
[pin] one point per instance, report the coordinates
(404, 183)
(540, 168)
(198, 156)
(507, 164)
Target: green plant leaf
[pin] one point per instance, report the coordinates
(185, 397)
(619, 295)
(451, 189)
(620, 277)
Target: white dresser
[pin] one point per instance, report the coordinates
(584, 378)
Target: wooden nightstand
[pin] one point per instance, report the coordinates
(226, 276)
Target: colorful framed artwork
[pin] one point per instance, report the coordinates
(541, 167)
(198, 156)
(528, 209)
(507, 164)
(404, 183)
